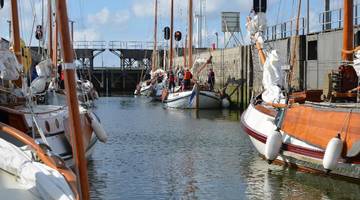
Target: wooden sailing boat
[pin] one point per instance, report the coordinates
(197, 98)
(47, 124)
(320, 136)
(30, 170)
(158, 80)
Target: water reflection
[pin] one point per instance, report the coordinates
(157, 153)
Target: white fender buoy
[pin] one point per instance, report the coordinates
(98, 129)
(225, 103)
(273, 145)
(332, 153)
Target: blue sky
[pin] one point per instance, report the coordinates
(124, 20)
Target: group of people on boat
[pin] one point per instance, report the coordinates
(184, 79)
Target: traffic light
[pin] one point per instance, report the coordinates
(178, 36)
(259, 6)
(167, 33)
(39, 32)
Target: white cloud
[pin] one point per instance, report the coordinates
(89, 34)
(143, 8)
(101, 18)
(122, 17)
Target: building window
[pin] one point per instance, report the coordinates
(312, 50)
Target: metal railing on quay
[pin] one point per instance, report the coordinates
(285, 29)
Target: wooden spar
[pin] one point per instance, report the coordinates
(15, 30)
(50, 33)
(72, 101)
(348, 33)
(293, 53)
(55, 42)
(261, 53)
(184, 56)
(171, 33)
(190, 35)
(154, 58)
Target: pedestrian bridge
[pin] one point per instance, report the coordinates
(128, 52)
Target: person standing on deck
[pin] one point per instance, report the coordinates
(180, 76)
(171, 81)
(211, 79)
(187, 79)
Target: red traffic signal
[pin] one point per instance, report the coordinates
(178, 35)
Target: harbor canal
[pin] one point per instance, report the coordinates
(157, 153)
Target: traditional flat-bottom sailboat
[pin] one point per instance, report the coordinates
(302, 130)
(193, 99)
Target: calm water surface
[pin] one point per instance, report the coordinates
(157, 153)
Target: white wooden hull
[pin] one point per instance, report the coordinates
(182, 100)
(56, 134)
(294, 152)
(23, 178)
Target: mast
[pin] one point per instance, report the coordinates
(190, 35)
(184, 56)
(55, 43)
(348, 38)
(50, 33)
(70, 86)
(154, 61)
(15, 30)
(171, 33)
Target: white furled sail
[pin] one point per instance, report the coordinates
(273, 79)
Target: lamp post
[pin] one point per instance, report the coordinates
(217, 39)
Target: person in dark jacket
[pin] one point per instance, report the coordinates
(211, 79)
(171, 81)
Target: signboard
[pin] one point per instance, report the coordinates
(230, 22)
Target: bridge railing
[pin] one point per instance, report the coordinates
(133, 45)
(89, 44)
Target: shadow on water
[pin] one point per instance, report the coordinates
(157, 153)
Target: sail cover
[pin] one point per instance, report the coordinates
(9, 66)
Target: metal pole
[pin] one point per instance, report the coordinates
(217, 40)
(327, 15)
(9, 22)
(72, 30)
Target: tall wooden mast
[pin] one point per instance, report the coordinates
(55, 41)
(72, 101)
(50, 28)
(171, 33)
(348, 33)
(15, 30)
(190, 35)
(154, 59)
